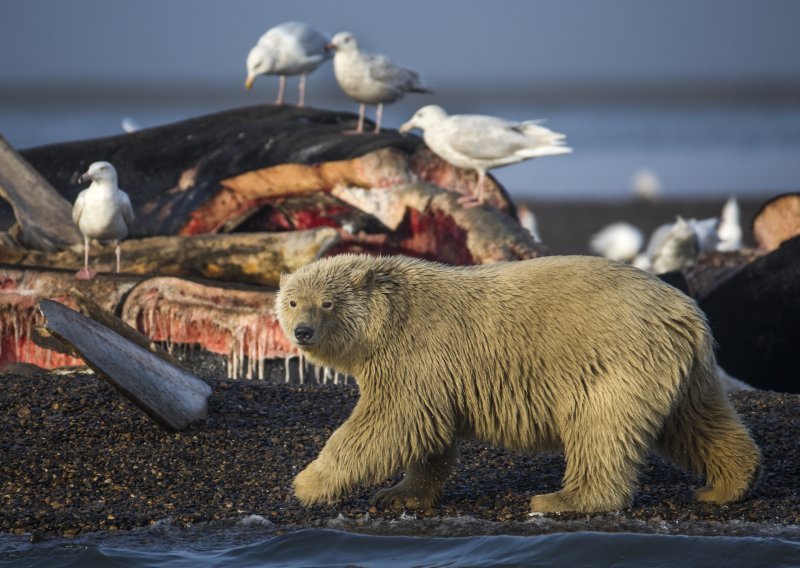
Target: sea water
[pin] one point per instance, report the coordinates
(323, 547)
(699, 149)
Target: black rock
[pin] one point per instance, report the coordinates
(755, 318)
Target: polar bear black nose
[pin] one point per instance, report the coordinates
(303, 333)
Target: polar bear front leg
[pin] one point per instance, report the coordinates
(422, 485)
(310, 486)
(367, 448)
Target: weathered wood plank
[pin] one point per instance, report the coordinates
(44, 217)
(173, 397)
(254, 258)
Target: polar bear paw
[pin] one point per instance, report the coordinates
(310, 486)
(405, 496)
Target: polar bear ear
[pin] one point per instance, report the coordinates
(364, 279)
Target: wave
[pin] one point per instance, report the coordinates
(329, 548)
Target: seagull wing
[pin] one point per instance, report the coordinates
(77, 209)
(482, 137)
(127, 209)
(382, 69)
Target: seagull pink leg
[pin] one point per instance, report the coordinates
(118, 251)
(281, 90)
(378, 116)
(469, 201)
(302, 101)
(85, 273)
(361, 111)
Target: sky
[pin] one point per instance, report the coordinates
(527, 42)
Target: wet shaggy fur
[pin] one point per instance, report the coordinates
(597, 358)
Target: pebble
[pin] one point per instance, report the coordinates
(92, 461)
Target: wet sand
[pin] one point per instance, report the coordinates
(77, 458)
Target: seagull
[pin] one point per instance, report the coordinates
(618, 241)
(102, 211)
(292, 48)
(481, 143)
(673, 246)
(528, 220)
(369, 78)
(646, 185)
(729, 230)
(130, 125)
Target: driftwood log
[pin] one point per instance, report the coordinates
(171, 396)
(43, 216)
(256, 258)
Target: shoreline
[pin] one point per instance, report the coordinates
(81, 460)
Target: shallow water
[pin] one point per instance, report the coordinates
(322, 547)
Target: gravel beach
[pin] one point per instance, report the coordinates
(77, 458)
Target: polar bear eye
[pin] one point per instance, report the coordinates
(327, 305)
(293, 303)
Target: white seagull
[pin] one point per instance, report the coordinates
(102, 211)
(481, 143)
(292, 48)
(369, 78)
(673, 246)
(618, 241)
(729, 230)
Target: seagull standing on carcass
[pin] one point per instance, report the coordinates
(102, 211)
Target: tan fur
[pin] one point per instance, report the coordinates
(580, 353)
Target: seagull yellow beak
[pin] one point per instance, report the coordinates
(405, 128)
(249, 82)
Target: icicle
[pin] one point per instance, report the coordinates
(262, 351)
(301, 367)
(240, 361)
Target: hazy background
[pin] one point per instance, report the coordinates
(705, 93)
